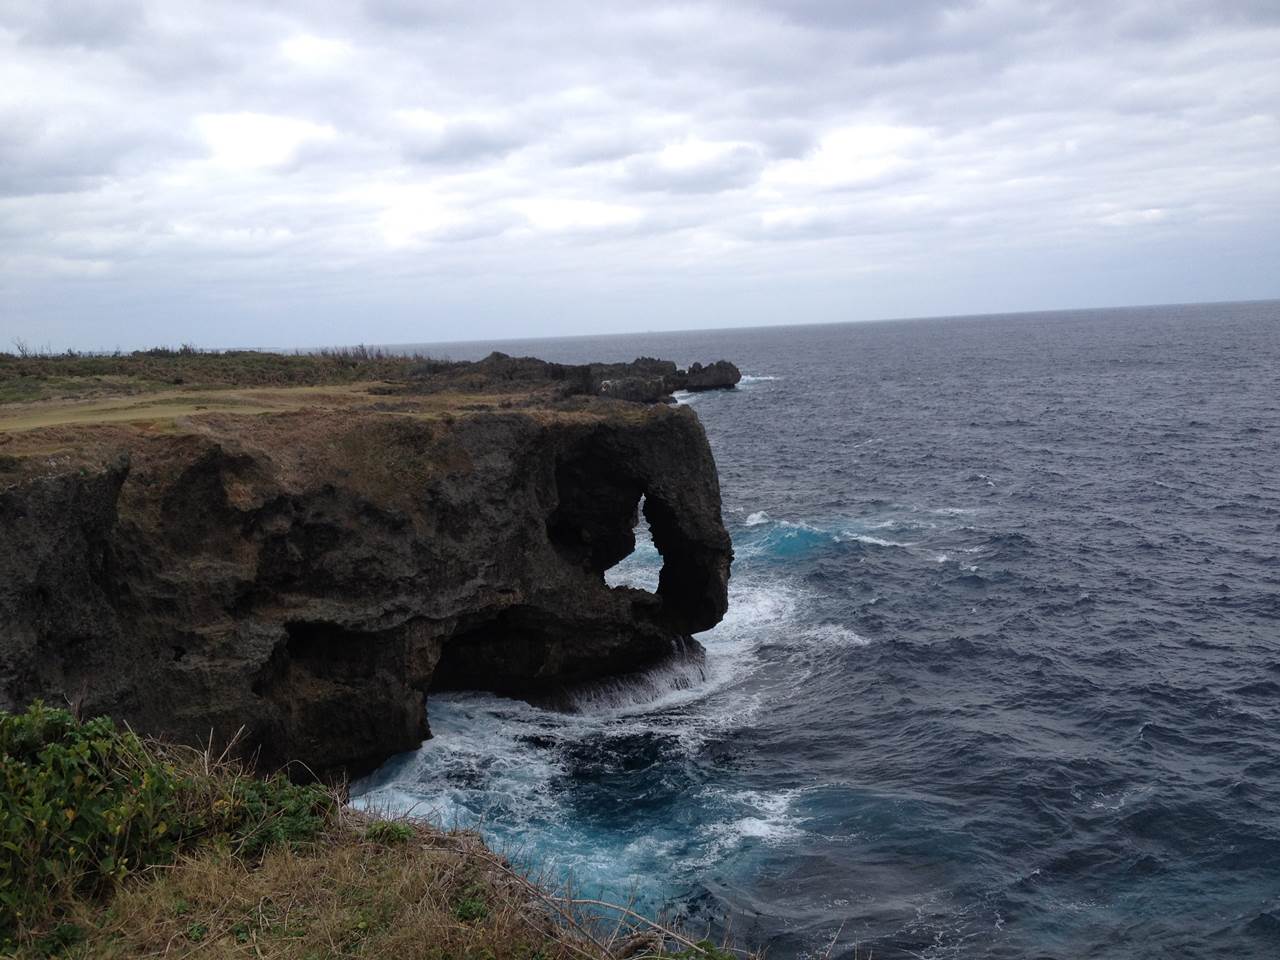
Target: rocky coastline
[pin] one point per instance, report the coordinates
(299, 579)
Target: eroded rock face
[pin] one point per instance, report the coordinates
(310, 577)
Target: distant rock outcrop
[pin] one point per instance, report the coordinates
(643, 380)
(721, 375)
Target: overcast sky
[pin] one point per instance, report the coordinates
(400, 171)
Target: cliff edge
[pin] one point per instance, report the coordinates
(308, 563)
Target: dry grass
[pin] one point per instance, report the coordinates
(276, 871)
(182, 390)
(413, 893)
(184, 411)
(166, 405)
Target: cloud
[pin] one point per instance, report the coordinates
(75, 23)
(855, 156)
(579, 161)
(310, 51)
(695, 166)
(245, 141)
(429, 137)
(560, 214)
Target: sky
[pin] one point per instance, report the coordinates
(392, 171)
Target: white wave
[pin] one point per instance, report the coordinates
(835, 635)
(477, 761)
(729, 691)
(757, 378)
(837, 534)
(941, 557)
(762, 828)
(1115, 801)
(842, 535)
(799, 525)
(761, 817)
(665, 685)
(954, 511)
(684, 396)
(755, 611)
(785, 529)
(883, 525)
(867, 538)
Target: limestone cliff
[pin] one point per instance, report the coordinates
(311, 574)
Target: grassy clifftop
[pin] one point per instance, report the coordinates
(27, 376)
(117, 848)
(163, 389)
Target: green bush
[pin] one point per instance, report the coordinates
(82, 805)
(388, 832)
(705, 950)
(470, 909)
(259, 814)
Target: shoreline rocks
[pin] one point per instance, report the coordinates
(311, 576)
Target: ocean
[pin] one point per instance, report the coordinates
(1000, 675)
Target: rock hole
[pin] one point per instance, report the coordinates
(593, 524)
(641, 567)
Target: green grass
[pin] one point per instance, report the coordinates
(37, 376)
(388, 832)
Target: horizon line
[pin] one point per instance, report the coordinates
(390, 345)
(777, 326)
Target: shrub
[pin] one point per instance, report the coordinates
(83, 804)
(257, 814)
(470, 909)
(705, 950)
(80, 803)
(388, 832)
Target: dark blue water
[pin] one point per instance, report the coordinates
(1001, 674)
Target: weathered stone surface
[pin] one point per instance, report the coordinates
(311, 576)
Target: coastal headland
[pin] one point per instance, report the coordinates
(292, 551)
